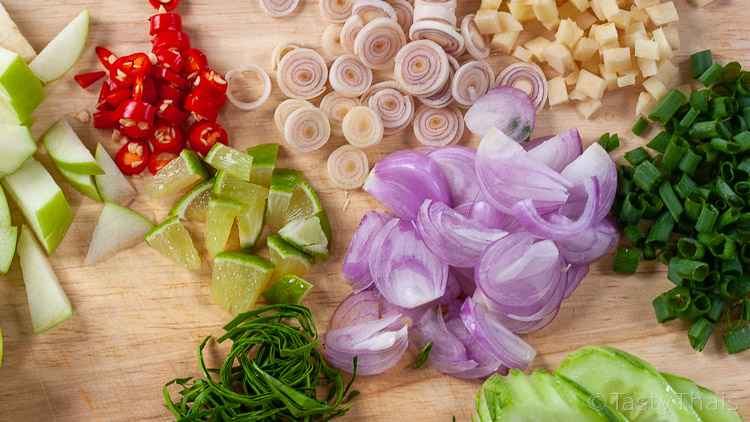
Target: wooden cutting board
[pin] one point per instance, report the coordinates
(139, 318)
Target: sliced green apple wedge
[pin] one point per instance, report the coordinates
(8, 238)
(67, 150)
(48, 304)
(173, 240)
(41, 201)
(17, 145)
(4, 210)
(83, 183)
(118, 228)
(62, 52)
(21, 91)
(113, 185)
(11, 37)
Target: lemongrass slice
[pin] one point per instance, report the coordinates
(348, 167)
(442, 98)
(475, 42)
(349, 77)
(438, 127)
(238, 79)
(396, 110)
(369, 10)
(302, 74)
(377, 87)
(285, 109)
(435, 11)
(422, 68)
(336, 11)
(527, 77)
(404, 14)
(378, 42)
(472, 80)
(307, 129)
(279, 8)
(336, 107)
(442, 33)
(332, 46)
(279, 51)
(350, 30)
(362, 127)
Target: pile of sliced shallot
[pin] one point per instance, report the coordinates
(477, 247)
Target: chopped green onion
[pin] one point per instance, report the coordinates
(632, 209)
(746, 114)
(745, 253)
(659, 142)
(711, 75)
(744, 165)
(722, 145)
(728, 217)
(726, 171)
(637, 156)
(627, 260)
(689, 269)
(707, 218)
(699, 333)
(728, 194)
(690, 162)
(704, 130)
(742, 189)
(646, 176)
(700, 304)
(661, 230)
(679, 299)
(640, 126)
(699, 100)
(685, 186)
(700, 62)
(609, 142)
(717, 308)
(731, 267)
(423, 355)
(722, 246)
(663, 308)
(667, 195)
(690, 248)
(731, 72)
(674, 154)
(688, 119)
(653, 205)
(746, 309)
(633, 234)
(729, 287)
(694, 205)
(668, 106)
(719, 108)
(737, 340)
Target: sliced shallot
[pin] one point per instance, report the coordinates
(457, 164)
(362, 127)
(506, 109)
(302, 74)
(438, 127)
(335, 11)
(286, 108)
(369, 10)
(378, 42)
(404, 13)
(558, 151)
(336, 107)
(589, 245)
(472, 81)
(475, 42)
(348, 167)
(279, 8)
(527, 77)
(595, 162)
(395, 109)
(332, 46)
(422, 68)
(349, 77)
(235, 74)
(425, 10)
(356, 266)
(445, 35)
(307, 129)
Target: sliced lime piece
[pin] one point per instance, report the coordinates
(222, 157)
(264, 162)
(221, 215)
(194, 205)
(304, 203)
(172, 240)
(253, 197)
(287, 258)
(289, 289)
(178, 176)
(291, 198)
(238, 280)
(309, 234)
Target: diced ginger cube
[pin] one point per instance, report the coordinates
(668, 73)
(609, 8)
(644, 104)
(646, 3)
(491, 4)
(488, 21)
(537, 46)
(587, 109)
(558, 91)
(605, 35)
(504, 41)
(648, 67)
(663, 14)
(591, 85)
(626, 80)
(701, 3)
(521, 10)
(572, 78)
(567, 11)
(568, 33)
(665, 50)
(581, 5)
(558, 57)
(523, 54)
(585, 20)
(609, 77)
(622, 20)
(673, 36)
(617, 59)
(576, 95)
(592, 64)
(596, 8)
(636, 27)
(509, 23)
(546, 12)
(647, 49)
(631, 39)
(585, 49)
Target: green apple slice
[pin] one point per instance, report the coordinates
(21, 91)
(8, 238)
(118, 228)
(253, 197)
(287, 258)
(4, 209)
(11, 37)
(221, 215)
(309, 234)
(41, 201)
(238, 280)
(194, 205)
(289, 289)
(67, 150)
(172, 240)
(83, 183)
(17, 145)
(113, 186)
(178, 176)
(63, 51)
(264, 162)
(48, 304)
(235, 163)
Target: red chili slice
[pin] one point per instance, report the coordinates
(136, 119)
(170, 58)
(116, 98)
(167, 138)
(204, 135)
(159, 160)
(210, 81)
(133, 157)
(202, 107)
(87, 79)
(168, 110)
(144, 89)
(101, 103)
(105, 119)
(106, 57)
(167, 39)
(127, 68)
(164, 22)
(167, 75)
(168, 91)
(195, 62)
(167, 4)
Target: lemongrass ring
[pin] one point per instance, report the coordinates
(349, 32)
(404, 14)
(433, 11)
(422, 68)
(286, 108)
(527, 77)
(307, 129)
(376, 87)
(378, 42)
(476, 43)
(335, 11)
(236, 74)
(438, 127)
(369, 10)
(302, 74)
(278, 53)
(349, 77)
(440, 32)
(279, 8)
(362, 127)
(336, 107)
(348, 167)
(444, 97)
(472, 81)
(331, 40)
(396, 110)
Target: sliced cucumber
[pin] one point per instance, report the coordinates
(709, 406)
(628, 384)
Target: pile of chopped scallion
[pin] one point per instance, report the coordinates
(684, 199)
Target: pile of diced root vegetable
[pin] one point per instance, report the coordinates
(598, 46)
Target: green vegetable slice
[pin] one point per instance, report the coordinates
(235, 163)
(253, 198)
(178, 176)
(194, 205)
(264, 163)
(311, 234)
(287, 258)
(709, 406)
(221, 215)
(238, 280)
(172, 240)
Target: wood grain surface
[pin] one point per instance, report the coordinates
(138, 318)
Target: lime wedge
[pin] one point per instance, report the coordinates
(238, 280)
(221, 215)
(222, 157)
(289, 289)
(194, 205)
(309, 234)
(291, 198)
(172, 240)
(264, 162)
(178, 176)
(287, 258)
(253, 198)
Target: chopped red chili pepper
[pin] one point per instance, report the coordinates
(204, 135)
(136, 119)
(106, 57)
(195, 61)
(126, 69)
(167, 39)
(116, 98)
(167, 75)
(167, 4)
(164, 22)
(168, 91)
(87, 79)
(133, 157)
(101, 103)
(105, 119)
(159, 160)
(167, 138)
(209, 81)
(202, 107)
(170, 58)
(144, 89)
(168, 110)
